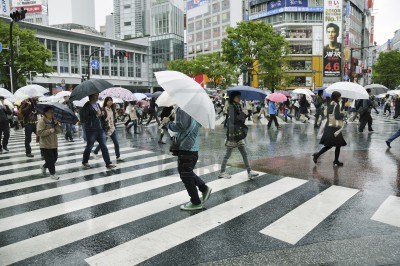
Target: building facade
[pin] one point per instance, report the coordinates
(37, 11)
(110, 27)
(207, 22)
(131, 18)
(72, 12)
(70, 59)
(301, 22)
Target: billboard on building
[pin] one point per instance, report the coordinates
(23, 3)
(5, 8)
(196, 8)
(332, 52)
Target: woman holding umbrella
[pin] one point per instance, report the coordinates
(304, 105)
(109, 118)
(235, 138)
(332, 136)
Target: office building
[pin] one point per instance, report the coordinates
(36, 10)
(72, 12)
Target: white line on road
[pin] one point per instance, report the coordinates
(389, 212)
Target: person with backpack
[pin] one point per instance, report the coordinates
(4, 125)
(319, 108)
(236, 133)
(90, 116)
(28, 110)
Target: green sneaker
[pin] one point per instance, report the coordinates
(206, 195)
(191, 207)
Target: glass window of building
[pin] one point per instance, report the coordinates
(131, 65)
(199, 36)
(199, 25)
(215, 7)
(190, 38)
(225, 17)
(138, 65)
(301, 49)
(300, 65)
(207, 22)
(299, 81)
(224, 33)
(74, 51)
(127, 23)
(191, 27)
(199, 48)
(225, 4)
(216, 44)
(191, 49)
(52, 46)
(216, 32)
(64, 59)
(315, 3)
(127, 6)
(207, 34)
(207, 46)
(85, 52)
(105, 65)
(114, 66)
(215, 20)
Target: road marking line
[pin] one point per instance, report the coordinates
(389, 212)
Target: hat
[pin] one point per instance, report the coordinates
(233, 94)
(2, 97)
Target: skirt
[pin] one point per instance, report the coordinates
(329, 140)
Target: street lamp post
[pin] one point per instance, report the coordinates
(351, 58)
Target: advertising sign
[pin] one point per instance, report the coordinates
(275, 4)
(33, 9)
(297, 3)
(19, 3)
(5, 7)
(333, 13)
(196, 8)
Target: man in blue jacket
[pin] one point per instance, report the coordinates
(90, 116)
(272, 115)
(188, 154)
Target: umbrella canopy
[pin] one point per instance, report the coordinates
(61, 112)
(140, 96)
(81, 102)
(303, 91)
(156, 94)
(5, 93)
(164, 100)
(143, 103)
(189, 96)
(348, 90)
(89, 87)
(377, 89)
(62, 94)
(148, 94)
(118, 93)
(393, 92)
(249, 93)
(277, 97)
(30, 91)
(319, 89)
(8, 103)
(286, 93)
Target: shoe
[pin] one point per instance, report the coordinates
(119, 159)
(43, 170)
(111, 166)
(5, 148)
(315, 158)
(136, 133)
(71, 140)
(191, 207)
(161, 142)
(224, 175)
(370, 130)
(337, 163)
(252, 174)
(1, 150)
(388, 144)
(54, 177)
(86, 165)
(95, 156)
(30, 155)
(279, 127)
(206, 195)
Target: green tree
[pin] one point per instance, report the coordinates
(182, 65)
(253, 46)
(387, 69)
(32, 56)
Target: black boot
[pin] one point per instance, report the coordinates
(337, 163)
(315, 157)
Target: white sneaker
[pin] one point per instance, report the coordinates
(224, 175)
(252, 174)
(95, 156)
(43, 170)
(54, 177)
(119, 159)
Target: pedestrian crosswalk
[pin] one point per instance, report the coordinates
(264, 121)
(130, 215)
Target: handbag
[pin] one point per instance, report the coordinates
(334, 122)
(174, 148)
(239, 132)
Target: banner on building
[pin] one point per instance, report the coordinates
(5, 7)
(297, 3)
(196, 8)
(333, 14)
(23, 3)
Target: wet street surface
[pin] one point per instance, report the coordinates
(295, 213)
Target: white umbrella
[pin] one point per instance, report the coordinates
(376, 88)
(303, 91)
(62, 94)
(30, 91)
(140, 96)
(393, 92)
(348, 90)
(9, 104)
(189, 96)
(6, 93)
(82, 102)
(164, 100)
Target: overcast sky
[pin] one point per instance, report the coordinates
(386, 12)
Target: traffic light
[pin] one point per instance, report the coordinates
(121, 54)
(18, 15)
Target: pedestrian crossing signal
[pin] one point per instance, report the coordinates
(121, 54)
(18, 15)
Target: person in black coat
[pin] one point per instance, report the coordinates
(332, 136)
(4, 125)
(364, 109)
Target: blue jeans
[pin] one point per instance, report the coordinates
(116, 144)
(100, 137)
(68, 131)
(395, 136)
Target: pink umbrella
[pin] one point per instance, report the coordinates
(118, 93)
(277, 97)
(286, 93)
(143, 103)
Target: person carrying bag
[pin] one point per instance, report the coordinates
(235, 135)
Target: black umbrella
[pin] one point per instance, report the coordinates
(61, 112)
(89, 87)
(156, 94)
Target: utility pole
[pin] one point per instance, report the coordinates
(88, 62)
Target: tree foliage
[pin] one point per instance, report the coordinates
(253, 45)
(387, 69)
(33, 55)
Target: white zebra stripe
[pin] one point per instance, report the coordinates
(389, 212)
